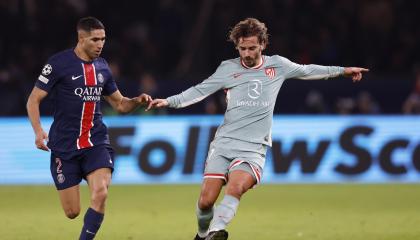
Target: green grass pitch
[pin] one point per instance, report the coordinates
(269, 212)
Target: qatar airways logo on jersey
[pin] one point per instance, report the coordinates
(89, 94)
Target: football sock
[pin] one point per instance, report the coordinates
(224, 213)
(204, 218)
(92, 223)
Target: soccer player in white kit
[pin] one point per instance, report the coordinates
(237, 154)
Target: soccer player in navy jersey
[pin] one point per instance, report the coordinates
(80, 148)
(237, 154)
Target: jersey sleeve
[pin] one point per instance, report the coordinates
(308, 72)
(51, 73)
(110, 85)
(202, 90)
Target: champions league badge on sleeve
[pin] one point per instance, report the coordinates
(47, 70)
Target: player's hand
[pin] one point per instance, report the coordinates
(355, 73)
(40, 138)
(144, 99)
(157, 103)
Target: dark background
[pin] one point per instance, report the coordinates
(165, 46)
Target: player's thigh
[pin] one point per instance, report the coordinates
(97, 165)
(242, 177)
(99, 179)
(70, 200)
(245, 164)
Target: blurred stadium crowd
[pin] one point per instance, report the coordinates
(162, 47)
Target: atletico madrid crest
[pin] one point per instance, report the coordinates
(270, 72)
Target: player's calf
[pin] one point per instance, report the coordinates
(204, 218)
(224, 213)
(92, 223)
(209, 192)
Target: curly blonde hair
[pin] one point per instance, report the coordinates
(248, 28)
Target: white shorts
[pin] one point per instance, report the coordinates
(220, 162)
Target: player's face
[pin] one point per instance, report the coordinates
(250, 50)
(93, 43)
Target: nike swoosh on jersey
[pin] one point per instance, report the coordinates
(74, 78)
(236, 75)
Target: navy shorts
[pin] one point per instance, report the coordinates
(68, 169)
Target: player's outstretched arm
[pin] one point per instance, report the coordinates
(356, 73)
(157, 103)
(125, 105)
(32, 107)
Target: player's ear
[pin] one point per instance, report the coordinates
(81, 35)
(263, 45)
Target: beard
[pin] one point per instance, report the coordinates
(95, 54)
(249, 61)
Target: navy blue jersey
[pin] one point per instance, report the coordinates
(77, 87)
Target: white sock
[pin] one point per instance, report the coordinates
(204, 218)
(224, 213)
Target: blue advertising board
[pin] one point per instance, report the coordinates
(173, 149)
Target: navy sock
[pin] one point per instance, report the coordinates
(92, 223)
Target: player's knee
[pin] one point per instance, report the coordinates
(99, 195)
(236, 189)
(72, 213)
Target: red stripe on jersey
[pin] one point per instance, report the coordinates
(86, 124)
(89, 72)
(88, 111)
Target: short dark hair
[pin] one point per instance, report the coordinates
(89, 23)
(248, 28)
